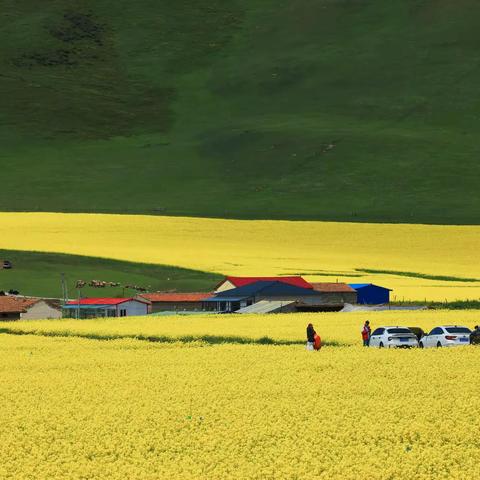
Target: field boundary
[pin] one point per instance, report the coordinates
(206, 339)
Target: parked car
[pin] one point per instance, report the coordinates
(446, 336)
(393, 337)
(7, 264)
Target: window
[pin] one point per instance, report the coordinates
(123, 312)
(399, 330)
(378, 331)
(436, 331)
(458, 330)
(110, 313)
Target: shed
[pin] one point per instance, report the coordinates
(176, 302)
(336, 294)
(106, 307)
(370, 294)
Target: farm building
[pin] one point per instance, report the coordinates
(10, 308)
(271, 291)
(336, 294)
(370, 294)
(29, 308)
(176, 302)
(106, 307)
(41, 309)
(235, 282)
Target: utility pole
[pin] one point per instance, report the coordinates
(64, 290)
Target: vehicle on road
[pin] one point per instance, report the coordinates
(446, 336)
(393, 337)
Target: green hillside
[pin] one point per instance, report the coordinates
(39, 274)
(328, 109)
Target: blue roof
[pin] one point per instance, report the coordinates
(268, 288)
(356, 286)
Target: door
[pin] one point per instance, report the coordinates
(376, 337)
(433, 337)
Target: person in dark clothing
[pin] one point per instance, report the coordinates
(475, 336)
(310, 336)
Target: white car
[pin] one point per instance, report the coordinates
(446, 336)
(393, 337)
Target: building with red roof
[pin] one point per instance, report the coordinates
(106, 307)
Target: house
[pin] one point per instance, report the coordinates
(370, 294)
(275, 291)
(234, 282)
(336, 294)
(106, 307)
(41, 309)
(176, 302)
(22, 308)
(10, 308)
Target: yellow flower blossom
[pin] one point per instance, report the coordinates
(323, 251)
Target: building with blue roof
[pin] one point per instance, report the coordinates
(234, 299)
(370, 294)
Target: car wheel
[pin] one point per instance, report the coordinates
(381, 345)
(421, 345)
(439, 345)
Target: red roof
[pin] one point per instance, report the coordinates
(242, 281)
(104, 301)
(176, 297)
(332, 287)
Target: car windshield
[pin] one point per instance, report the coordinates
(458, 330)
(399, 330)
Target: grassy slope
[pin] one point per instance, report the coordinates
(226, 108)
(39, 274)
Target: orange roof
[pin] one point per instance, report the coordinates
(332, 287)
(176, 297)
(13, 305)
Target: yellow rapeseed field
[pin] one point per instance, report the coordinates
(81, 409)
(334, 328)
(323, 251)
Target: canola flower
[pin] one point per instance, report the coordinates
(125, 409)
(322, 251)
(334, 328)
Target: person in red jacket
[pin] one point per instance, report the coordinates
(366, 332)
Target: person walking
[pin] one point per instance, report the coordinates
(310, 336)
(366, 332)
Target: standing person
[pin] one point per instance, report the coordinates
(366, 332)
(310, 336)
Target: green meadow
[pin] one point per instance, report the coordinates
(331, 109)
